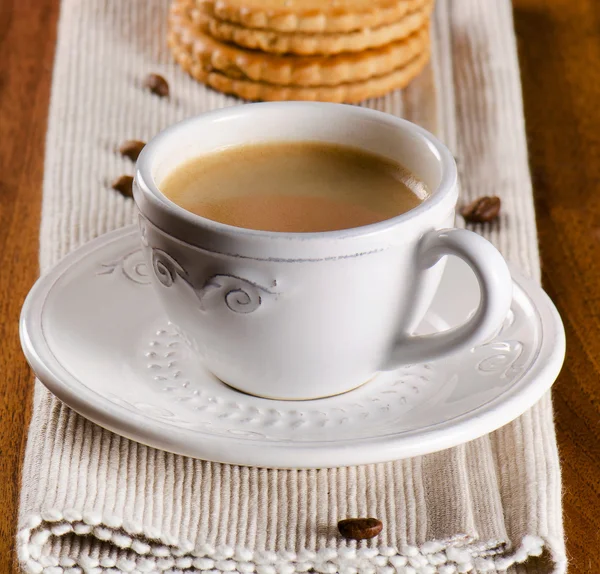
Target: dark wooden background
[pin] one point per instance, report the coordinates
(559, 49)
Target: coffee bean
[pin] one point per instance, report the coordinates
(360, 528)
(131, 149)
(482, 210)
(124, 185)
(157, 85)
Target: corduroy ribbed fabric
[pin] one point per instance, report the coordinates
(95, 502)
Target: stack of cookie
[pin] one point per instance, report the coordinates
(324, 50)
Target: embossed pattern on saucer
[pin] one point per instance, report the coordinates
(95, 335)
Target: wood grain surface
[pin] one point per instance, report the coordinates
(559, 49)
(27, 38)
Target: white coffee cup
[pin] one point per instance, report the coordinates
(309, 315)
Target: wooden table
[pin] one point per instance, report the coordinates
(559, 47)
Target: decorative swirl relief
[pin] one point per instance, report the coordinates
(502, 356)
(131, 265)
(240, 295)
(166, 268)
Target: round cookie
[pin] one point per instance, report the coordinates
(311, 44)
(352, 92)
(312, 16)
(240, 63)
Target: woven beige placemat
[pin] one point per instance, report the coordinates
(95, 502)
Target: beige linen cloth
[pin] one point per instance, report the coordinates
(95, 502)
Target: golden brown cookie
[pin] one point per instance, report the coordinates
(349, 93)
(240, 63)
(310, 16)
(311, 44)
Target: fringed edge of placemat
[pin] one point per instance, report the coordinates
(128, 549)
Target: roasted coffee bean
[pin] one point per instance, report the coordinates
(131, 149)
(482, 210)
(124, 185)
(157, 85)
(360, 528)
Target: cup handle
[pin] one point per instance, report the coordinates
(495, 284)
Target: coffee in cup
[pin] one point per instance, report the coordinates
(294, 187)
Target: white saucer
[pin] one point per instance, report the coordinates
(94, 333)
